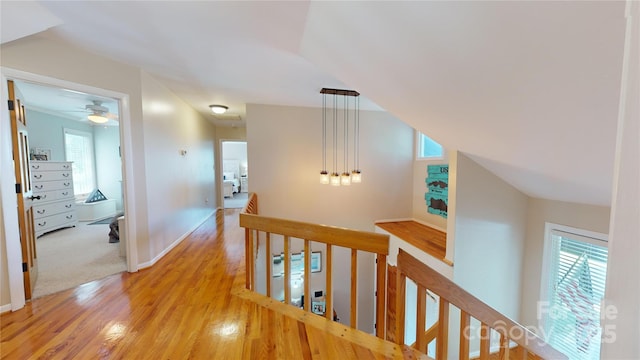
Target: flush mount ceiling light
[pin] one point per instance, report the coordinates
(97, 118)
(218, 109)
(347, 177)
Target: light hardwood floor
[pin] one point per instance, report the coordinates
(190, 305)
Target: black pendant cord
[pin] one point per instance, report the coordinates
(324, 132)
(346, 136)
(356, 136)
(335, 134)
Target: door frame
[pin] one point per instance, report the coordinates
(10, 218)
(220, 170)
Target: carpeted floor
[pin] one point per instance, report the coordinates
(74, 256)
(238, 201)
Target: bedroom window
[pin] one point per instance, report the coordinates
(577, 269)
(78, 147)
(429, 149)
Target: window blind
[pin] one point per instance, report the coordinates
(576, 288)
(79, 149)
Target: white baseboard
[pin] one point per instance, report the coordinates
(5, 308)
(164, 252)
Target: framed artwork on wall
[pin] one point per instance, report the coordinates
(297, 263)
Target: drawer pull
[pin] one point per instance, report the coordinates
(38, 197)
(38, 176)
(39, 187)
(41, 211)
(66, 184)
(68, 206)
(42, 197)
(35, 167)
(66, 166)
(42, 223)
(65, 174)
(69, 216)
(65, 193)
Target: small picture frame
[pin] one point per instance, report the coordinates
(316, 261)
(40, 154)
(318, 307)
(297, 263)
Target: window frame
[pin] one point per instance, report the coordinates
(582, 235)
(76, 132)
(418, 149)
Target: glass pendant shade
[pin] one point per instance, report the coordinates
(324, 177)
(345, 179)
(356, 176)
(335, 179)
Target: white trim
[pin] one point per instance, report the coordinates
(219, 168)
(5, 308)
(126, 142)
(549, 229)
(9, 200)
(164, 252)
(418, 148)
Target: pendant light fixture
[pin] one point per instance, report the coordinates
(324, 175)
(335, 177)
(347, 177)
(356, 175)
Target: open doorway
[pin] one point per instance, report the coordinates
(235, 174)
(73, 160)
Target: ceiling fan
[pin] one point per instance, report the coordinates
(99, 114)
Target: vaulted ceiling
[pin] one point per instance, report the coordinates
(529, 90)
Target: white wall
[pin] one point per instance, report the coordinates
(41, 55)
(106, 142)
(170, 196)
(236, 150)
(490, 222)
(623, 273)
(180, 188)
(285, 159)
(490, 234)
(420, 188)
(539, 211)
(225, 133)
(47, 131)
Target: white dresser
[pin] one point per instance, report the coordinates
(52, 181)
(244, 184)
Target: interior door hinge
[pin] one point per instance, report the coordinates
(25, 267)
(11, 106)
(18, 188)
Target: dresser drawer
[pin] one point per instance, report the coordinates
(41, 211)
(54, 222)
(43, 186)
(47, 196)
(40, 176)
(50, 166)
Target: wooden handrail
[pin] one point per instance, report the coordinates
(252, 205)
(331, 236)
(452, 294)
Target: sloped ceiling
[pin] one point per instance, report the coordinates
(528, 89)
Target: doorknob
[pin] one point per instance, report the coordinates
(34, 197)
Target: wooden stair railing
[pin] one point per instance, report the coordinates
(530, 345)
(375, 243)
